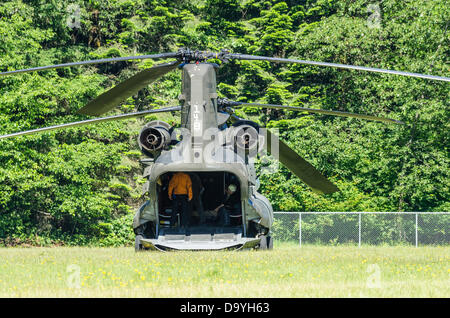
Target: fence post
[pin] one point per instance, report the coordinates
(359, 230)
(300, 228)
(417, 221)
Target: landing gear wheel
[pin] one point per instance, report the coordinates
(263, 242)
(269, 243)
(137, 243)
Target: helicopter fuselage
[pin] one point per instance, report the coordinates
(203, 148)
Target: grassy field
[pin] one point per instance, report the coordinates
(287, 271)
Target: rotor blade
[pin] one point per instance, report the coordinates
(296, 164)
(93, 121)
(300, 167)
(318, 111)
(344, 66)
(113, 97)
(113, 59)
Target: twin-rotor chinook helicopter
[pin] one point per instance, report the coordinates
(212, 142)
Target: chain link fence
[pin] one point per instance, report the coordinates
(367, 228)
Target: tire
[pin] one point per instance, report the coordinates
(263, 242)
(137, 243)
(270, 243)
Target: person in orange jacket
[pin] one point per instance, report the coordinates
(180, 192)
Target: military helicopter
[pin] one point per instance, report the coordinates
(213, 143)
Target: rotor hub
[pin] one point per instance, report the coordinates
(187, 55)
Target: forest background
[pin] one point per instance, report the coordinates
(83, 185)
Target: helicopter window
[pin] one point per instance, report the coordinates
(211, 194)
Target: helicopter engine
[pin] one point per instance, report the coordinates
(245, 136)
(154, 137)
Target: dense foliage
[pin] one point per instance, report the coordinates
(83, 184)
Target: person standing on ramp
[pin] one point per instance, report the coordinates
(180, 192)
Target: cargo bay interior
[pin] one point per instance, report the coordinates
(211, 192)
